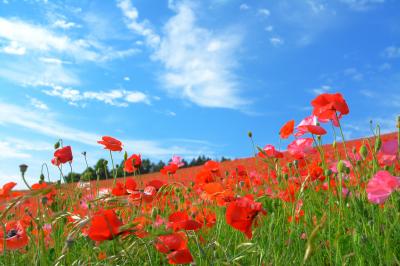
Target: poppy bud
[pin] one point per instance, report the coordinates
(57, 145)
(84, 153)
(340, 166)
(363, 152)
(328, 172)
(290, 164)
(154, 213)
(334, 144)
(41, 177)
(319, 137)
(250, 134)
(347, 170)
(296, 163)
(286, 176)
(125, 156)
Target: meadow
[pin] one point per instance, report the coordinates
(309, 204)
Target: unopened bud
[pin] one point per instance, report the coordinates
(250, 134)
(125, 156)
(334, 144)
(328, 172)
(340, 166)
(363, 152)
(57, 145)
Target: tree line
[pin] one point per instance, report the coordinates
(103, 170)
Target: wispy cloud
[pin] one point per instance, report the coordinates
(117, 97)
(244, 7)
(60, 23)
(322, 89)
(24, 37)
(362, 5)
(391, 52)
(47, 125)
(276, 41)
(198, 62)
(37, 103)
(264, 12)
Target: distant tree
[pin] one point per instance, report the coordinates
(145, 168)
(223, 159)
(101, 168)
(73, 177)
(88, 174)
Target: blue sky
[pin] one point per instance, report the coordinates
(186, 77)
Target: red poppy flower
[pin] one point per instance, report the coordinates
(299, 148)
(110, 143)
(62, 155)
(326, 105)
(287, 129)
(15, 237)
(241, 213)
(180, 221)
(133, 163)
(182, 256)
(270, 151)
(169, 169)
(119, 189)
(212, 166)
(5, 191)
(170, 243)
(316, 130)
(104, 225)
(130, 185)
(39, 186)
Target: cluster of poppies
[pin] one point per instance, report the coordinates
(171, 211)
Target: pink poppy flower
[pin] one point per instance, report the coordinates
(299, 148)
(302, 128)
(177, 160)
(381, 186)
(388, 152)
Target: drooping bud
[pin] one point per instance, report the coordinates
(250, 134)
(57, 145)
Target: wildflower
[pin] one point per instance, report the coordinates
(62, 155)
(133, 163)
(302, 127)
(388, 153)
(316, 130)
(241, 213)
(180, 221)
(175, 245)
(381, 186)
(169, 169)
(5, 191)
(15, 237)
(299, 148)
(287, 129)
(111, 143)
(182, 256)
(104, 225)
(270, 151)
(177, 160)
(327, 105)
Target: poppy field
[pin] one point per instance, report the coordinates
(311, 203)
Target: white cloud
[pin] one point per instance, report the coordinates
(127, 78)
(38, 104)
(276, 41)
(117, 97)
(322, 89)
(13, 48)
(141, 28)
(269, 28)
(48, 125)
(392, 52)
(24, 37)
(264, 12)
(7, 151)
(362, 5)
(198, 62)
(353, 73)
(52, 60)
(64, 24)
(244, 7)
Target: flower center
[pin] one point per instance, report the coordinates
(12, 233)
